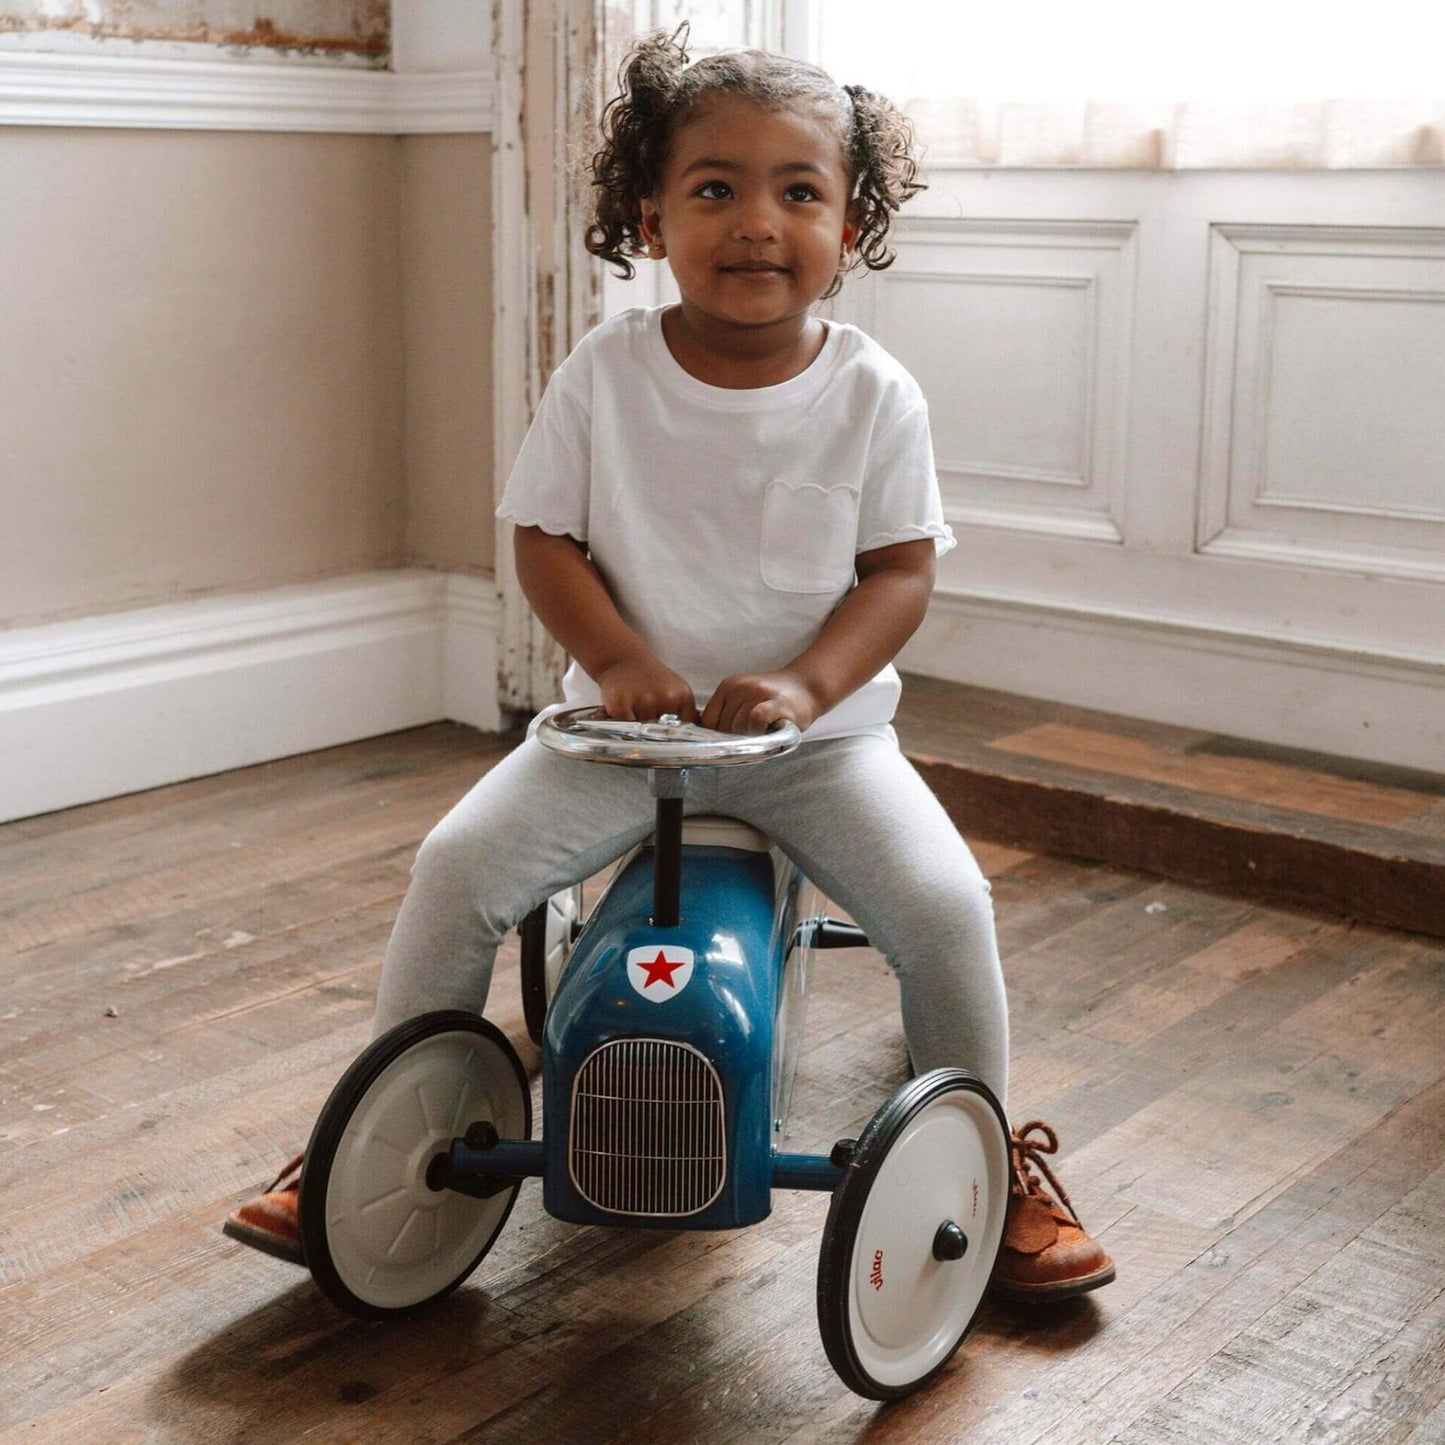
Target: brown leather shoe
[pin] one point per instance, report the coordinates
(270, 1222)
(1047, 1255)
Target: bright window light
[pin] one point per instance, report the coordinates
(1125, 50)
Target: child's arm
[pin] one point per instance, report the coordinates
(572, 602)
(862, 636)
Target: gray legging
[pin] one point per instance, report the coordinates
(851, 812)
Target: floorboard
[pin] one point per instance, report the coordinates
(1250, 1099)
(1337, 835)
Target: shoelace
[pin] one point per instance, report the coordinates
(294, 1167)
(1028, 1154)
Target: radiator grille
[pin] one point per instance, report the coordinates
(647, 1131)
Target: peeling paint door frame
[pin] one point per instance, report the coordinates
(553, 59)
(547, 287)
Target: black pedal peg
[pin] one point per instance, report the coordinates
(841, 1154)
(834, 933)
(481, 1135)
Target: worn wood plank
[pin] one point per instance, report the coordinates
(1265, 852)
(1337, 1350)
(1253, 780)
(1331, 834)
(1249, 1100)
(1182, 1322)
(43, 857)
(947, 719)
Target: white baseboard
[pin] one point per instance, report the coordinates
(471, 624)
(109, 705)
(1295, 692)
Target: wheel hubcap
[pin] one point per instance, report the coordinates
(950, 1242)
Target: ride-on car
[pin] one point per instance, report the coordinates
(670, 1020)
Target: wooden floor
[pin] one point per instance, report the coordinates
(1249, 1098)
(1362, 840)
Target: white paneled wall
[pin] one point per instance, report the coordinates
(1019, 332)
(1325, 431)
(1191, 434)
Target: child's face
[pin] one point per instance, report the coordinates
(752, 212)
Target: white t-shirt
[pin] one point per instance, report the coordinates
(725, 522)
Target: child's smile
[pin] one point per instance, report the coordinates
(752, 215)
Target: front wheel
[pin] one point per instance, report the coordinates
(913, 1232)
(380, 1241)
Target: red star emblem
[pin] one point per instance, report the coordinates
(660, 970)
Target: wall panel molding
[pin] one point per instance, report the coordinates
(1040, 310)
(1279, 570)
(106, 91)
(1075, 476)
(1323, 432)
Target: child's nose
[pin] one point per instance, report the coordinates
(757, 221)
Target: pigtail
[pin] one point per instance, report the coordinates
(881, 151)
(635, 126)
(656, 85)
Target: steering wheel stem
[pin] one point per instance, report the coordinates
(667, 748)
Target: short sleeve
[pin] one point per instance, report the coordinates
(551, 479)
(900, 501)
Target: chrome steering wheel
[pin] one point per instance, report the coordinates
(588, 733)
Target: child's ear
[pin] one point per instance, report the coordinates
(851, 228)
(650, 228)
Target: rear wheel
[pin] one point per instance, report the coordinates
(913, 1232)
(379, 1239)
(547, 933)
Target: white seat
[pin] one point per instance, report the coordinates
(710, 830)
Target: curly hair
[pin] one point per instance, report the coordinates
(658, 89)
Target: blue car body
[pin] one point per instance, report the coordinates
(671, 1091)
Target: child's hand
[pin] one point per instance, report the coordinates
(641, 689)
(753, 702)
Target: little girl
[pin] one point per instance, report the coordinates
(728, 510)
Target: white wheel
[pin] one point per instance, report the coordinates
(912, 1234)
(379, 1239)
(547, 933)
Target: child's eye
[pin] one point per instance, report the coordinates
(800, 192)
(714, 191)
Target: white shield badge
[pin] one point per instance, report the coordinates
(659, 971)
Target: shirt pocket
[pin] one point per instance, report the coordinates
(809, 536)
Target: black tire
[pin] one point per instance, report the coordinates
(946, 1121)
(561, 917)
(533, 934)
(456, 1056)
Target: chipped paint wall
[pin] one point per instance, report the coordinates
(317, 30)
